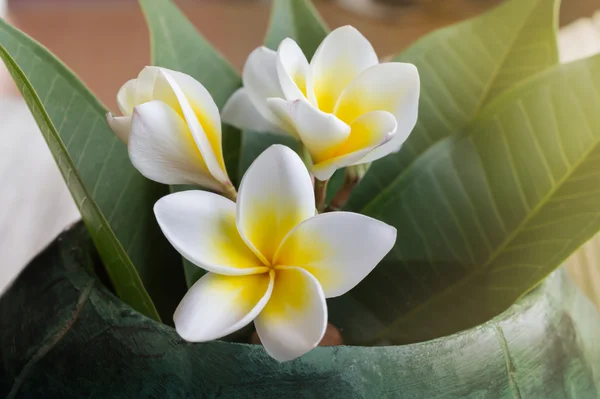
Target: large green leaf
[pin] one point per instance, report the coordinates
(484, 217)
(462, 67)
(299, 20)
(177, 45)
(64, 336)
(113, 198)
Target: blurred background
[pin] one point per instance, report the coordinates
(106, 43)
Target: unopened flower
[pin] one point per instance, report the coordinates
(268, 257)
(344, 106)
(172, 129)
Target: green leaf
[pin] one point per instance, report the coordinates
(462, 67)
(113, 198)
(483, 218)
(65, 336)
(177, 45)
(299, 20)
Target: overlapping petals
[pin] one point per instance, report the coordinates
(270, 259)
(172, 129)
(319, 102)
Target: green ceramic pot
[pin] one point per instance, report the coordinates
(64, 335)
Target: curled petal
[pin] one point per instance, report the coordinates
(197, 109)
(339, 248)
(201, 227)
(204, 108)
(120, 125)
(292, 70)
(144, 85)
(162, 148)
(342, 55)
(392, 87)
(126, 97)
(368, 132)
(275, 195)
(295, 319)
(320, 132)
(217, 305)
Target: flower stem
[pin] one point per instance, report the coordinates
(353, 176)
(320, 192)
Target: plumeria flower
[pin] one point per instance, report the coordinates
(268, 257)
(172, 129)
(344, 106)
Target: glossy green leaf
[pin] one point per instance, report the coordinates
(64, 336)
(483, 218)
(462, 67)
(299, 20)
(177, 45)
(113, 198)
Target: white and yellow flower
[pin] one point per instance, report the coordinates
(345, 106)
(269, 258)
(172, 129)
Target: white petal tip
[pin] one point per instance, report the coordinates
(120, 125)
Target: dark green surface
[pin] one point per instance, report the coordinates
(113, 198)
(64, 336)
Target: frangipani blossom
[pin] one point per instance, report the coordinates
(172, 129)
(344, 106)
(268, 257)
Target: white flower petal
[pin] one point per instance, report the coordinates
(120, 125)
(126, 97)
(162, 148)
(240, 111)
(342, 55)
(207, 136)
(282, 110)
(261, 81)
(144, 85)
(338, 248)
(292, 69)
(203, 106)
(218, 305)
(275, 194)
(295, 318)
(368, 132)
(392, 87)
(320, 132)
(201, 227)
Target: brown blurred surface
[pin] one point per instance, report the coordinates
(106, 45)
(106, 42)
